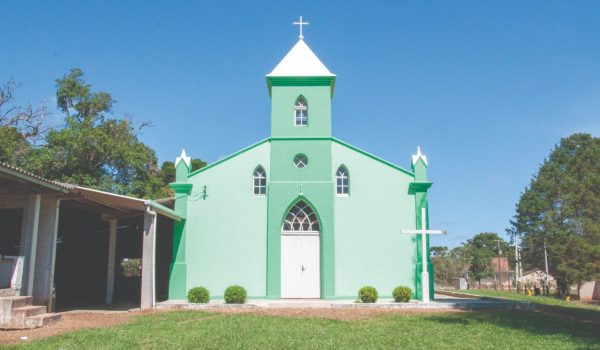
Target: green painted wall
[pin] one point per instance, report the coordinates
(369, 248)
(233, 237)
(420, 187)
(319, 111)
(289, 184)
(226, 226)
(178, 267)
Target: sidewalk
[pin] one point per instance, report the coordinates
(440, 302)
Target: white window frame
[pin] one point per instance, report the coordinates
(259, 186)
(305, 211)
(300, 108)
(346, 175)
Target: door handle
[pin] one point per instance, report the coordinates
(303, 268)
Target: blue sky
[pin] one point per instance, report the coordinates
(485, 88)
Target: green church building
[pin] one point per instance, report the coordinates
(300, 214)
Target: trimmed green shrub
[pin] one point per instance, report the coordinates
(235, 295)
(198, 295)
(367, 294)
(402, 294)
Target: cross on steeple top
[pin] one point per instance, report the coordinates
(300, 24)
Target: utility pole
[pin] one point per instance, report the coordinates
(546, 290)
(517, 266)
(499, 269)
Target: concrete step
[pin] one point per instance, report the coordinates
(21, 313)
(8, 292)
(41, 320)
(17, 301)
(7, 304)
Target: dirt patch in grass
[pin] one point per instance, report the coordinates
(336, 314)
(71, 321)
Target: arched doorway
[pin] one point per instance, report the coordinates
(300, 253)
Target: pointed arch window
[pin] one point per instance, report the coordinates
(301, 218)
(260, 181)
(301, 112)
(342, 178)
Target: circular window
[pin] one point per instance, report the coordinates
(300, 161)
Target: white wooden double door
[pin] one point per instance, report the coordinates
(300, 265)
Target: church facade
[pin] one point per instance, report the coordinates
(300, 214)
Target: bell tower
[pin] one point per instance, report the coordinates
(301, 89)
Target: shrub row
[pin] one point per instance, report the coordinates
(368, 294)
(237, 294)
(233, 295)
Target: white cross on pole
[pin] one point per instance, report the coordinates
(300, 24)
(423, 232)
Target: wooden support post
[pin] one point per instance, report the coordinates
(148, 256)
(112, 246)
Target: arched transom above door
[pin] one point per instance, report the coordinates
(301, 218)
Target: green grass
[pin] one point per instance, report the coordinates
(583, 312)
(461, 330)
(543, 300)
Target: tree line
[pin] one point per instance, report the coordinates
(559, 211)
(93, 148)
(472, 259)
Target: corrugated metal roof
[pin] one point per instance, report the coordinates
(108, 199)
(14, 170)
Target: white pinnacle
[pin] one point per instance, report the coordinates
(185, 158)
(416, 157)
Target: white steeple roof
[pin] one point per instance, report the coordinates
(301, 61)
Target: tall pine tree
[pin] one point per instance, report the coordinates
(561, 207)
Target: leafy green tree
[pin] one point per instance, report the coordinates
(561, 207)
(481, 249)
(439, 251)
(20, 126)
(94, 149)
(13, 145)
(167, 170)
(448, 264)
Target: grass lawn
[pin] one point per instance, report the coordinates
(454, 330)
(584, 312)
(544, 300)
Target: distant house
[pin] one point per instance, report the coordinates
(590, 291)
(536, 278)
(502, 274)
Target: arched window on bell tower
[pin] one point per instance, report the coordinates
(301, 112)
